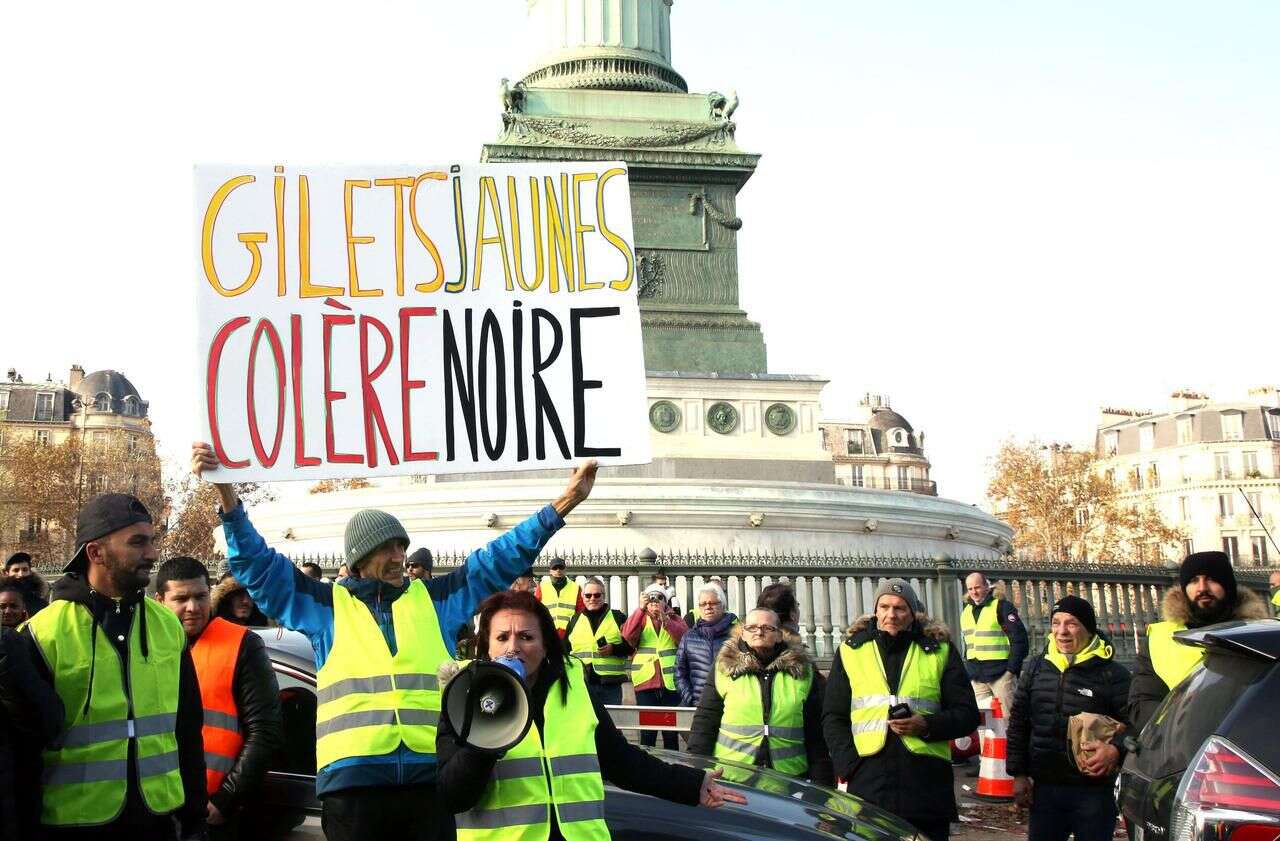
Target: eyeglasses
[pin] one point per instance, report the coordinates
(655, 597)
(760, 629)
(593, 595)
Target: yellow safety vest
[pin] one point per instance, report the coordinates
(582, 641)
(920, 686)
(1275, 602)
(743, 729)
(563, 604)
(85, 775)
(655, 648)
(369, 701)
(517, 802)
(1172, 660)
(984, 639)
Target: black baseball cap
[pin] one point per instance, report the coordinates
(101, 516)
(556, 563)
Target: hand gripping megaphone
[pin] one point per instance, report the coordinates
(488, 705)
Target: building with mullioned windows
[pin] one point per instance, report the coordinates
(101, 411)
(1210, 468)
(878, 448)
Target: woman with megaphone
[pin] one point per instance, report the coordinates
(540, 774)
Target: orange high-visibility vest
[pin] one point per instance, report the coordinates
(215, 655)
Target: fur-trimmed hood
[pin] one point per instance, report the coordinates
(1176, 607)
(733, 661)
(221, 591)
(930, 632)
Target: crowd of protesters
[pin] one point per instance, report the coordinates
(136, 701)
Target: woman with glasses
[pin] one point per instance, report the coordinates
(654, 634)
(764, 705)
(595, 638)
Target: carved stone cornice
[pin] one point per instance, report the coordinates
(608, 73)
(526, 128)
(497, 152)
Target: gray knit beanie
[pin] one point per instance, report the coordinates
(898, 587)
(366, 531)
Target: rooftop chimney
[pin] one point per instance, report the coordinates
(77, 374)
(1267, 395)
(1184, 399)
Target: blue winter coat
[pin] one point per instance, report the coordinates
(304, 604)
(696, 656)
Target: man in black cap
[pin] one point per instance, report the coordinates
(130, 759)
(418, 566)
(561, 595)
(1206, 594)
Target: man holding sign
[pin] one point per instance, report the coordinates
(379, 638)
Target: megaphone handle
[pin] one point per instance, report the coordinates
(466, 723)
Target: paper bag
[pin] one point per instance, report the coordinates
(1089, 727)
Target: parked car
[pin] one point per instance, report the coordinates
(779, 808)
(1207, 766)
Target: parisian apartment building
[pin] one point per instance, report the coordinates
(878, 448)
(1211, 468)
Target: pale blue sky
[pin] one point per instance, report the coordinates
(1000, 214)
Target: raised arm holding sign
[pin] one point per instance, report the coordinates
(379, 639)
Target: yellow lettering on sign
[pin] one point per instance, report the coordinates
(251, 240)
(580, 178)
(438, 281)
(353, 275)
(622, 284)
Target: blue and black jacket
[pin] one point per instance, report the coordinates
(304, 604)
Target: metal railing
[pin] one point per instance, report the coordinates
(919, 486)
(834, 590)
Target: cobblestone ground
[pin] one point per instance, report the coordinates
(983, 821)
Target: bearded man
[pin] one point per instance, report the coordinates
(1206, 594)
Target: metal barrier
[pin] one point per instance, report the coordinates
(627, 717)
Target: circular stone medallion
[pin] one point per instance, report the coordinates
(664, 416)
(722, 418)
(780, 419)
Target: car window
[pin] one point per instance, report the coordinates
(1193, 711)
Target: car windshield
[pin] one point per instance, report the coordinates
(1193, 711)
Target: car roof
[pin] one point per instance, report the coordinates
(289, 647)
(1256, 637)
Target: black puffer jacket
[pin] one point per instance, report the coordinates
(1148, 690)
(737, 660)
(31, 717)
(696, 654)
(914, 787)
(1047, 696)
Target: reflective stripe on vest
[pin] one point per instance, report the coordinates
(215, 655)
(369, 701)
(984, 639)
(1172, 660)
(582, 641)
(656, 647)
(515, 805)
(85, 774)
(920, 686)
(563, 604)
(743, 731)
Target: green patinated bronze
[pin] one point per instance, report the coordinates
(685, 171)
(664, 416)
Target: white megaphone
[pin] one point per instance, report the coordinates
(488, 705)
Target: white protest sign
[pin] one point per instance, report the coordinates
(379, 320)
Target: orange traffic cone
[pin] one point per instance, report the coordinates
(994, 782)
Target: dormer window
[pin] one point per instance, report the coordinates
(1184, 429)
(102, 403)
(1147, 436)
(854, 442)
(898, 438)
(1232, 426)
(131, 406)
(1110, 443)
